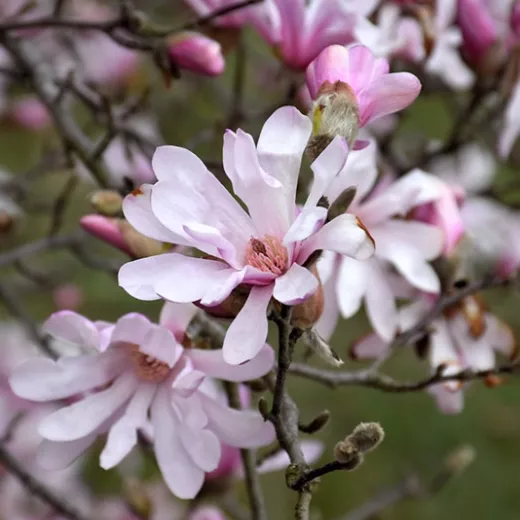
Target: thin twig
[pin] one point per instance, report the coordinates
(253, 487)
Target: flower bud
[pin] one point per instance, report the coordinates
(228, 465)
(348, 455)
(6, 222)
(68, 296)
(107, 202)
(313, 340)
(197, 53)
(307, 313)
(317, 424)
(137, 499)
(139, 245)
(366, 436)
(106, 229)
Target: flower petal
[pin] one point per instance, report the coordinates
(212, 363)
(352, 284)
(131, 328)
(81, 418)
(202, 446)
(72, 327)
(342, 235)
(295, 286)
(312, 450)
(307, 223)
(122, 436)
(239, 428)
(53, 456)
(42, 379)
(177, 317)
(247, 333)
(160, 343)
(370, 346)
(182, 476)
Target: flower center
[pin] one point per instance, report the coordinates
(148, 368)
(267, 255)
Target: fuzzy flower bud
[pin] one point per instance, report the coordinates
(197, 53)
(345, 453)
(351, 88)
(367, 436)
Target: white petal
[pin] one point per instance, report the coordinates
(202, 446)
(81, 418)
(72, 327)
(131, 328)
(42, 379)
(182, 476)
(122, 436)
(212, 363)
(248, 331)
(352, 284)
(239, 428)
(295, 286)
(177, 317)
(307, 222)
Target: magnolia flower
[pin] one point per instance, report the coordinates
(352, 88)
(197, 53)
(405, 245)
(306, 28)
(393, 35)
(132, 368)
(444, 60)
(265, 250)
(464, 337)
(492, 229)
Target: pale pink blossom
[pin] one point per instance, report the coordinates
(465, 337)
(393, 35)
(130, 369)
(264, 250)
(197, 53)
(372, 90)
(401, 244)
(492, 229)
(444, 59)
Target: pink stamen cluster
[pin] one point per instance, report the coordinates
(268, 255)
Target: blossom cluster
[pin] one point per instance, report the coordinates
(246, 242)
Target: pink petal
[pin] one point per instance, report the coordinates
(342, 235)
(307, 223)
(239, 428)
(202, 446)
(81, 418)
(53, 456)
(387, 95)
(72, 327)
(500, 336)
(330, 65)
(352, 284)
(122, 436)
(137, 209)
(131, 328)
(448, 401)
(160, 343)
(42, 379)
(212, 363)
(328, 321)
(139, 278)
(370, 346)
(247, 333)
(186, 384)
(326, 167)
(177, 317)
(295, 286)
(280, 148)
(182, 476)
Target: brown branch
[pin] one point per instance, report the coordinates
(37, 488)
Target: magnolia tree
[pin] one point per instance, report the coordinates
(328, 204)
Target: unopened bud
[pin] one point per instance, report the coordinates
(366, 436)
(321, 347)
(335, 112)
(106, 229)
(137, 499)
(139, 245)
(342, 203)
(317, 424)
(348, 455)
(107, 202)
(197, 53)
(306, 314)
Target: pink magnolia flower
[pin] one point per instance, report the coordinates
(492, 229)
(131, 368)
(360, 85)
(197, 53)
(264, 250)
(465, 337)
(405, 245)
(306, 28)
